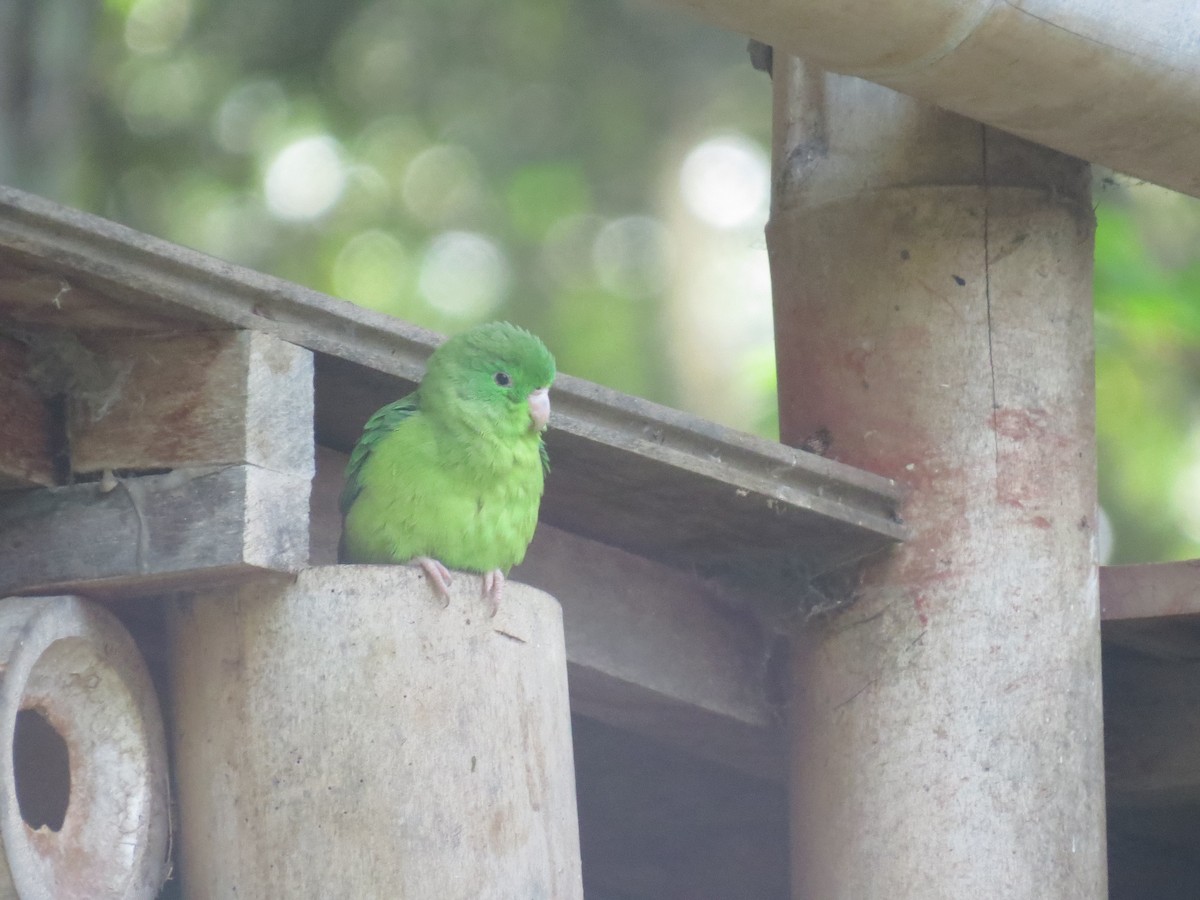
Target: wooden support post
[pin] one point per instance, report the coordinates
(347, 736)
(933, 313)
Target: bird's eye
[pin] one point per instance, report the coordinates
(502, 379)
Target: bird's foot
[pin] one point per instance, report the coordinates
(493, 588)
(438, 575)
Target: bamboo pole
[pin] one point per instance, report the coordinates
(1113, 83)
(933, 313)
(347, 736)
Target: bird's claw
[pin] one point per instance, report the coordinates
(493, 589)
(439, 579)
(438, 575)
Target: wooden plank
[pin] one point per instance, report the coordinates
(746, 508)
(51, 255)
(655, 651)
(205, 398)
(153, 533)
(1153, 607)
(650, 649)
(26, 453)
(36, 295)
(1150, 590)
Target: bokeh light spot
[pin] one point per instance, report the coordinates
(725, 182)
(155, 26)
(464, 275)
(305, 179)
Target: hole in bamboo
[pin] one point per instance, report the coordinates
(41, 771)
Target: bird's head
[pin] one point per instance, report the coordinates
(497, 374)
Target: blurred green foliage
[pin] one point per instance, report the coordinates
(448, 162)
(1147, 290)
(472, 152)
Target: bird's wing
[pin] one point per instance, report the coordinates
(383, 423)
(545, 457)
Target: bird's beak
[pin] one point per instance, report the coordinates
(539, 408)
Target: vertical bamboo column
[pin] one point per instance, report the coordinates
(344, 735)
(933, 312)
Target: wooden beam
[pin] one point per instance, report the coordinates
(199, 399)
(650, 649)
(656, 651)
(1153, 608)
(1150, 590)
(25, 451)
(154, 533)
(64, 268)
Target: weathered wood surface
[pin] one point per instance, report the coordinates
(154, 532)
(68, 269)
(35, 294)
(1154, 608)
(70, 664)
(347, 736)
(933, 312)
(1150, 591)
(654, 651)
(619, 463)
(199, 399)
(650, 649)
(26, 449)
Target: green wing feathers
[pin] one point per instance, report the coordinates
(383, 423)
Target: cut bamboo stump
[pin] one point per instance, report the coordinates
(83, 798)
(345, 735)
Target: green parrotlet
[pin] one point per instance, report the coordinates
(451, 476)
